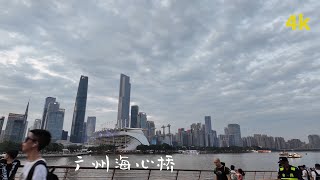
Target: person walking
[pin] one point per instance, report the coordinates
(12, 164)
(222, 172)
(35, 167)
(233, 173)
(316, 172)
(240, 174)
(288, 172)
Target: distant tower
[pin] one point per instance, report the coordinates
(16, 126)
(124, 102)
(169, 128)
(77, 129)
(134, 116)
(163, 127)
(45, 110)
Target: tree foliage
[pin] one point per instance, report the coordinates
(54, 147)
(8, 145)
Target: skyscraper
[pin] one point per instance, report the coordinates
(124, 102)
(91, 125)
(208, 131)
(142, 120)
(64, 135)
(16, 126)
(134, 116)
(45, 109)
(1, 123)
(36, 124)
(280, 143)
(54, 120)
(84, 138)
(79, 111)
(151, 130)
(314, 141)
(234, 133)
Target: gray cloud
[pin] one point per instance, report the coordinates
(232, 59)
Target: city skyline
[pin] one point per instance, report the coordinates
(185, 61)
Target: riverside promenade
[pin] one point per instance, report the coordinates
(69, 173)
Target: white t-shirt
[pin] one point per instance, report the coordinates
(305, 174)
(39, 173)
(314, 174)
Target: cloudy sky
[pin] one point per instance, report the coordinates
(232, 59)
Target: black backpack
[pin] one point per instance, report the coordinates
(50, 175)
(317, 175)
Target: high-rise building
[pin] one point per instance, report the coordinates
(235, 135)
(196, 131)
(84, 138)
(280, 143)
(124, 102)
(214, 139)
(54, 120)
(142, 120)
(151, 130)
(189, 137)
(45, 109)
(208, 131)
(16, 126)
(64, 135)
(314, 141)
(134, 116)
(91, 126)
(36, 124)
(271, 143)
(249, 141)
(180, 136)
(294, 143)
(223, 140)
(79, 112)
(1, 123)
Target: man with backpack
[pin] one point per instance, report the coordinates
(36, 168)
(316, 173)
(222, 172)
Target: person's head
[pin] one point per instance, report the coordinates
(11, 155)
(283, 161)
(232, 167)
(317, 166)
(240, 171)
(217, 162)
(37, 139)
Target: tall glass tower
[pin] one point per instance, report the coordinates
(124, 102)
(234, 133)
(76, 135)
(134, 116)
(45, 110)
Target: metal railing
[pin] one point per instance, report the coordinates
(69, 173)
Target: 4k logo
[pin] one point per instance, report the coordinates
(303, 23)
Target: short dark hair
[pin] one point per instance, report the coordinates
(232, 167)
(241, 172)
(43, 137)
(12, 153)
(317, 165)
